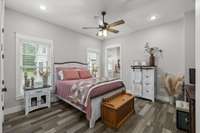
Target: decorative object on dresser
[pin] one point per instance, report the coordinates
(190, 96)
(36, 98)
(143, 82)
(173, 84)
(153, 52)
(182, 115)
(116, 109)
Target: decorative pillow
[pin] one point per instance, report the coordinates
(71, 74)
(61, 75)
(85, 74)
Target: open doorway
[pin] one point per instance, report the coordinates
(113, 61)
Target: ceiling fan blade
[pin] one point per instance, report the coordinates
(116, 23)
(113, 30)
(90, 27)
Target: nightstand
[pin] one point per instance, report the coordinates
(36, 98)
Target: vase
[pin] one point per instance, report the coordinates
(45, 82)
(171, 100)
(152, 60)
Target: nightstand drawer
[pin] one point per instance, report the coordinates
(147, 94)
(148, 86)
(148, 75)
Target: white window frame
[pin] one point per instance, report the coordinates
(18, 60)
(98, 53)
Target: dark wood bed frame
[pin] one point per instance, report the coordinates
(70, 62)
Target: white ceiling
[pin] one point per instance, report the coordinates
(75, 14)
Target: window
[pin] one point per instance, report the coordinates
(93, 60)
(33, 63)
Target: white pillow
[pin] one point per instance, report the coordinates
(61, 75)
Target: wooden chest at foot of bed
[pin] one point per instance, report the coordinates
(117, 109)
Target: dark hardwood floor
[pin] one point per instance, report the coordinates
(62, 118)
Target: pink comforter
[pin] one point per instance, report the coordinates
(99, 88)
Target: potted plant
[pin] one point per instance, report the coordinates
(152, 51)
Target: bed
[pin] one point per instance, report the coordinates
(84, 93)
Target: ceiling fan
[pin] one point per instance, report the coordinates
(103, 27)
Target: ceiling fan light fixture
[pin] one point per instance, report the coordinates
(105, 33)
(100, 33)
(104, 27)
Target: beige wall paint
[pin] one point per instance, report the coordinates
(68, 45)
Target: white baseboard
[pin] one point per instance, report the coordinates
(13, 109)
(163, 98)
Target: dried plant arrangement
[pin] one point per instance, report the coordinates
(173, 85)
(153, 52)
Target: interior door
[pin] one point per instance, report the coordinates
(2, 84)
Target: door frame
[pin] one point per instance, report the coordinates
(105, 58)
(197, 60)
(2, 82)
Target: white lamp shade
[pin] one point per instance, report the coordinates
(105, 33)
(99, 33)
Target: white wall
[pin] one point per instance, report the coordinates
(197, 66)
(189, 42)
(169, 37)
(68, 45)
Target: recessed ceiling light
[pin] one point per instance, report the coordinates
(152, 18)
(43, 7)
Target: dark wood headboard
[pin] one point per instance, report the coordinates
(70, 62)
(67, 64)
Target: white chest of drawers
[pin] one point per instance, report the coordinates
(36, 98)
(143, 82)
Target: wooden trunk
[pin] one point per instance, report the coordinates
(117, 109)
